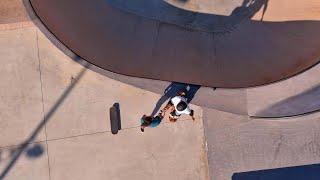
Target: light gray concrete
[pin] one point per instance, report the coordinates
(172, 152)
(20, 87)
(242, 145)
(294, 96)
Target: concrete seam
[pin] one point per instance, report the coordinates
(123, 129)
(88, 134)
(17, 145)
(247, 105)
(42, 99)
(204, 124)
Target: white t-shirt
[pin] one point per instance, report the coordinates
(175, 101)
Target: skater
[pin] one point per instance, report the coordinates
(177, 106)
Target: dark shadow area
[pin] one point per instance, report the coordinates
(49, 35)
(172, 91)
(160, 34)
(36, 151)
(307, 172)
(249, 8)
(224, 100)
(184, 1)
(206, 98)
(304, 103)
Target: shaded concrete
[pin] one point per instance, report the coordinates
(257, 144)
(262, 51)
(233, 101)
(20, 88)
(229, 100)
(294, 96)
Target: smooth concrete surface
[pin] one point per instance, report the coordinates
(74, 140)
(294, 96)
(12, 11)
(20, 89)
(209, 46)
(237, 144)
(167, 152)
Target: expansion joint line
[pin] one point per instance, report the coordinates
(42, 99)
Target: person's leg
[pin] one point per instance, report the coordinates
(167, 107)
(145, 122)
(173, 117)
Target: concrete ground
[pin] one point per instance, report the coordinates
(54, 119)
(54, 123)
(239, 145)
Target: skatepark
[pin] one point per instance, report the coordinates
(65, 63)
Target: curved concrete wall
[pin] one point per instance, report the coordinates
(205, 49)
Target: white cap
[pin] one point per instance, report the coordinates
(176, 100)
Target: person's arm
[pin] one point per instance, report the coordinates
(165, 109)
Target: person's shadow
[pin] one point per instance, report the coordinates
(172, 91)
(248, 9)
